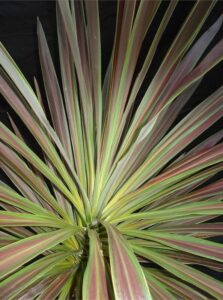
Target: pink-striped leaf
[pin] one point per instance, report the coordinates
(12, 160)
(35, 289)
(9, 196)
(27, 117)
(183, 40)
(71, 100)
(13, 219)
(24, 189)
(53, 290)
(157, 288)
(184, 243)
(18, 253)
(53, 92)
(6, 239)
(94, 282)
(177, 286)
(29, 275)
(184, 272)
(66, 290)
(127, 276)
(187, 211)
(10, 139)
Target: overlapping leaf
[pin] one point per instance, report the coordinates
(117, 203)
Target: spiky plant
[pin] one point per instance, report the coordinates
(113, 206)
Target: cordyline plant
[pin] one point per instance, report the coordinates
(113, 206)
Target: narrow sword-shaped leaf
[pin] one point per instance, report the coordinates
(188, 167)
(35, 289)
(18, 232)
(85, 93)
(17, 282)
(211, 190)
(150, 54)
(156, 197)
(178, 287)
(139, 150)
(71, 99)
(53, 290)
(183, 40)
(25, 89)
(23, 188)
(9, 138)
(184, 243)
(94, 48)
(127, 276)
(6, 239)
(9, 196)
(67, 287)
(18, 253)
(158, 289)
(195, 229)
(20, 168)
(61, 199)
(191, 259)
(120, 83)
(183, 211)
(188, 274)
(94, 282)
(13, 219)
(27, 117)
(201, 118)
(53, 92)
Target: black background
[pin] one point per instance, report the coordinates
(18, 34)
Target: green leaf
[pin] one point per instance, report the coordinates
(184, 243)
(9, 196)
(177, 286)
(17, 282)
(27, 116)
(215, 228)
(6, 239)
(152, 195)
(9, 138)
(184, 272)
(157, 288)
(127, 275)
(11, 159)
(15, 255)
(67, 287)
(53, 92)
(204, 208)
(69, 22)
(183, 40)
(53, 290)
(94, 282)
(71, 100)
(13, 219)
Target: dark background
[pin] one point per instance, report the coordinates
(18, 34)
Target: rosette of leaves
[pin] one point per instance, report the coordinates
(114, 206)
